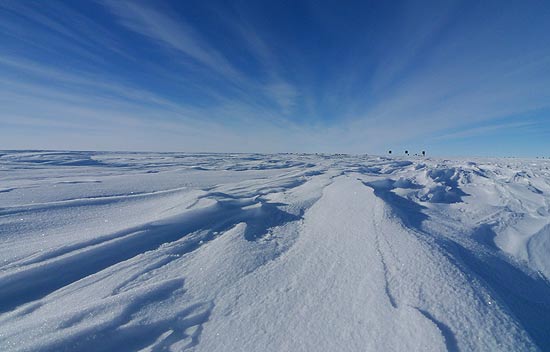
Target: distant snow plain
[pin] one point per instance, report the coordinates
(286, 252)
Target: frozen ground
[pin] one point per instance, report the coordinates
(224, 252)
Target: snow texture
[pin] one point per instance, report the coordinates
(290, 252)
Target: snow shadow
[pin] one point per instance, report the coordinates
(485, 235)
(447, 189)
(65, 267)
(59, 158)
(448, 335)
(523, 293)
(127, 330)
(407, 210)
(526, 295)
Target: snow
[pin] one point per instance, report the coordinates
(288, 252)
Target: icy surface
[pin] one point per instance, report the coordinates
(247, 252)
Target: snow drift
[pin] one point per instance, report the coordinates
(247, 252)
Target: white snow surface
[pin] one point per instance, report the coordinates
(287, 252)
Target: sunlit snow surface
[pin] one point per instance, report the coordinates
(247, 252)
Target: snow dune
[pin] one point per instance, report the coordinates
(247, 252)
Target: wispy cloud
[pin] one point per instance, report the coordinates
(484, 130)
(272, 77)
(171, 32)
(176, 34)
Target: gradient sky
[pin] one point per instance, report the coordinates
(451, 77)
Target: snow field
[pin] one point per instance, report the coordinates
(247, 252)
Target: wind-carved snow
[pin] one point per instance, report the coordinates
(290, 252)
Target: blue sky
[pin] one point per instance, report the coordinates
(450, 77)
